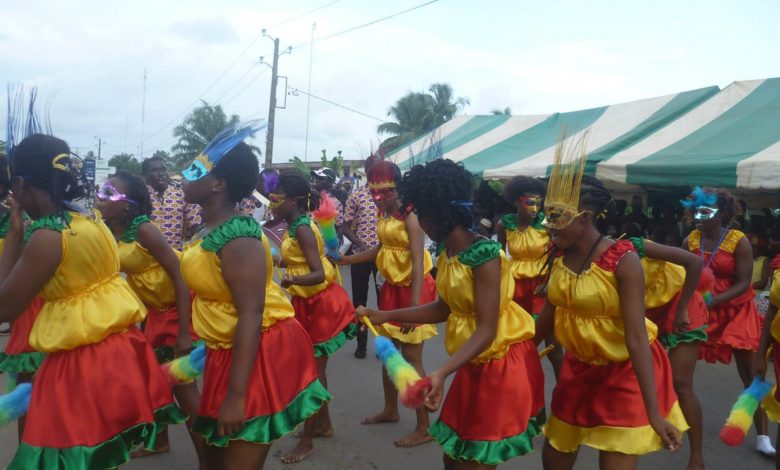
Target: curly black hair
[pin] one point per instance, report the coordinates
(135, 189)
(5, 180)
(239, 168)
(440, 192)
(728, 206)
(33, 160)
(146, 165)
(594, 196)
(296, 186)
(520, 185)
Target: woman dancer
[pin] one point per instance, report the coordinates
(152, 269)
(100, 386)
(734, 325)
(770, 338)
(402, 260)
(321, 305)
(495, 405)
(594, 301)
(260, 379)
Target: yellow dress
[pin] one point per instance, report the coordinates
(758, 267)
(295, 260)
(283, 389)
(597, 369)
(394, 262)
(495, 404)
(772, 402)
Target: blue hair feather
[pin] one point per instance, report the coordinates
(230, 137)
(698, 198)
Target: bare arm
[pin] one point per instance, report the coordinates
(501, 234)
(150, 237)
(430, 313)
(417, 250)
(308, 243)
(362, 257)
(544, 322)
(759, 361)
(743, 255)
(243, 263)
(686, 259)
(631, 285)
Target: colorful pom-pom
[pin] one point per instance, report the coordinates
(185, 369)
(411, 388)
(326, 216)
(706, 280)
(741, 417)
(15, 404)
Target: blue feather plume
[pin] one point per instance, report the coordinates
(22, 118)
(699, 198)
(15, 404)
(230, 137)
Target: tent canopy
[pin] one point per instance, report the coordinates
(728, 138)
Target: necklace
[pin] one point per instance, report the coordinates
(714, 250)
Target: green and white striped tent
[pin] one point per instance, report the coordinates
(727, 138)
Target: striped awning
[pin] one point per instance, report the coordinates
(728, 138)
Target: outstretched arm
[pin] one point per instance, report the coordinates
(693, 266)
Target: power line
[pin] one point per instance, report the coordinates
(296, 91)
(302, 15)
(246, 86)
(355, 28)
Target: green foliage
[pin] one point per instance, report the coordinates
(2, 146)
(418, 113)
(169, 159)
(197, 129)
(335, 164)
(127, 162)
(502, 112)
(90, 155)
(300, 166)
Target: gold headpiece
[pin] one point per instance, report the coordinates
(561, 205)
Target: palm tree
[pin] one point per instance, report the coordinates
(418, 113)
(502, 112)
(197, 129)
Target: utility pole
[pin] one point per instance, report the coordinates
(100, 145)
(269, 139)
(308, 93)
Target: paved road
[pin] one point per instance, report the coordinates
(356, 387)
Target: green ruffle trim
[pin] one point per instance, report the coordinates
(266, 429)
(327, 348)
(480, 252)
(131, 234)
(5, 222)
(487, 452)
(672, 340)
(109, 454)
(537, 223)
(240, 226)
(300, 220)
(509, 221)
(440, 248)
(639, 244)
(56, 222)
(23, 362)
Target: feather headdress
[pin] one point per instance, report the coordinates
(383, 175)
(562, 202)
(219, 146)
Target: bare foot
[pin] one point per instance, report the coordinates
(139, 453)
(319, 432)
(298, 453)
(414, 438)
(383, 417)
(695, 466)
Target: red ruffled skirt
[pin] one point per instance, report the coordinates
(326, 316)
(732, 326)
(394, 297)
(19, 356)
(525, 294)
(283, 388)
(91, 405)
(665, 316)
(493, 410)
(614, 418)
(161, 329)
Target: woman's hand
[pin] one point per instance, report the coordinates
(231, 415)
(375, 316)
(434, 396)
(183, 344)
(681, 321)
(287, 281)
(670, 435)
(407, 328)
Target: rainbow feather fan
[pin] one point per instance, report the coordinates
(741, 417)
(325, 216)
(411, 387)
(185, 369)
(15, 404)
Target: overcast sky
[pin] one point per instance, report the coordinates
(89, 57)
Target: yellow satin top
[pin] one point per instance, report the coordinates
(293, 256)
(758, 268)
(86, 300)
(145, 275)
(663, 280)
(588, 315)
(394, 259)
(774, 299)
(455, 284)
(214, 316)
(527, 248)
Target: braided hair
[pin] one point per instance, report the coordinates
(135, 189)
(440, 191)
(296, 186)
(46, 163)
(239, 168)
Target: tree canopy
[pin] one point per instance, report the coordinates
(127, 162)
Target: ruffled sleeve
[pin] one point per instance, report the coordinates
(509, 221)
(480, 252)
(301, 220)
(639, 245)
(694, 241)
(56, 222)
(131, 234)
(440, 247)
(729, 243)
(237, 227)
(611, 257)
(537, 223)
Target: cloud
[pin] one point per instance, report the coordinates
(205, 30)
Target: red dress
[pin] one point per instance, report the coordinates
(735, 324)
